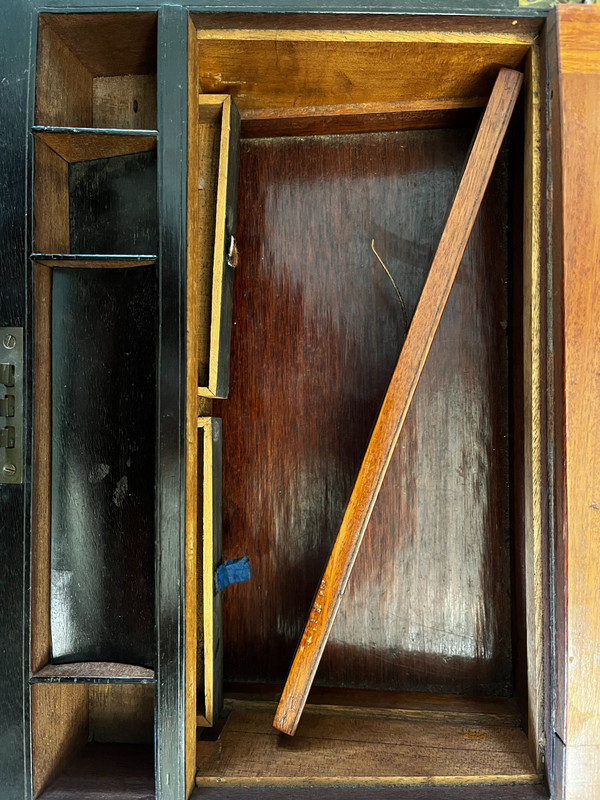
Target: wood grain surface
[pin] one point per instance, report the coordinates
(317, 331)
(330, 750)
(574, 41)
(106, 772)
(396, 403)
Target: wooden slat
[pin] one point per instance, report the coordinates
(51, 201)
(209, 429)
(397, 399)
(332, 750)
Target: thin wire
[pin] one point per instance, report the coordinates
(397, 290)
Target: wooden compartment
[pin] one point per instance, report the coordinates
(97, 71)
(95, 192)
(350, 134)
(93, 518)
(92, 741)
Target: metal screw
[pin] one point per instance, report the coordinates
(9, 469)
(9, 341)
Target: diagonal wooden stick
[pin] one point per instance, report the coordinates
(398, 396)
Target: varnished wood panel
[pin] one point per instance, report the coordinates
(274, 69)
(317, 331)
(574, 41)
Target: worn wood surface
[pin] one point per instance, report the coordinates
(59, 728)
(92, 672)
(50, 201)
(102, 505)
(396, 22)
(85, 145)
(416, 705)
(284, 70)
(106, 772)
(42, 468)
(574, 43)
(360, 117)
(317, 331)
(113, 205)
(121, 713)
(423, 328)
(124, 101)
(294, 791)
(334, 749)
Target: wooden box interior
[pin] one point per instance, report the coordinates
(353, 129)
(351, 132)
(94, 241)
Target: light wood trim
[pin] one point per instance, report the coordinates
(219, 246)
(398, 397)
(211, 556)
(424, 37)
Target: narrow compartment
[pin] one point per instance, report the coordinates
(92, 741)
(93, 521)
(423, 680)
(97, 70)
(95, 192)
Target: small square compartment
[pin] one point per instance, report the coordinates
(97, 70)
(95, 193)
(92, 740)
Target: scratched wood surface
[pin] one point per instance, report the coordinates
(574, 40)
(317, 332)
(328, 751)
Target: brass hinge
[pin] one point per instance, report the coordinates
(11, 405)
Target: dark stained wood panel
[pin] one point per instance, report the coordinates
(317, 332)
(113, 205)
(103, 462)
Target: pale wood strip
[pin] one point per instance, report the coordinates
(426, 37)
(398, 397)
